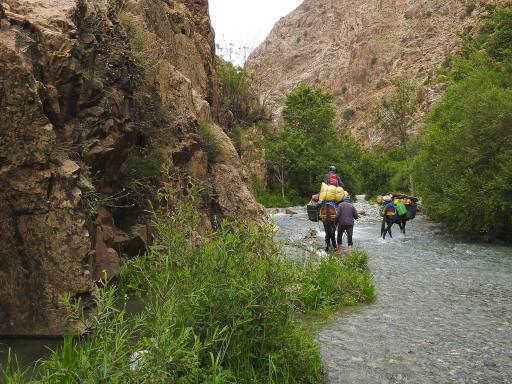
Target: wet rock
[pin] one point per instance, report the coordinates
(361, 212)
(436, 232)
(273, 211)
(289, 211)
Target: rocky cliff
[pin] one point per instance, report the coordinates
(355, 48)
(89, 91)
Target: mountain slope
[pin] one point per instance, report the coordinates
(355, 48)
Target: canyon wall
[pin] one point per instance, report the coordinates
(83, 85)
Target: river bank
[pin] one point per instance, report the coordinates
(221, 308)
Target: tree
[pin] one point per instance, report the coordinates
(464, 170)
(309, 110)
(396, 115)
(286, 151)
(299, 153)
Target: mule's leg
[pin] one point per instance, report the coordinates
(388, 229)
(403, 230)
(333, 235)
(327, 229)
(383, 228)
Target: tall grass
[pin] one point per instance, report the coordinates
(218, 309)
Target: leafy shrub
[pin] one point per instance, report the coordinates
(217, 310)
(211, 143)
(470, 8)
(272, 199)
(348, 113)
(299, 154)
(238, 96)
(465, 168)
(335, 283)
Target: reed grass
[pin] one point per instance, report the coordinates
(221, 308)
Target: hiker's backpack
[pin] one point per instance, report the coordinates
(333, 179)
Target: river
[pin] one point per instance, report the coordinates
(443, 312)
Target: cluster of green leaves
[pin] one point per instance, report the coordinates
(299, 154)
(273, 199)
(396, 115)
(464, 170)
(237, 93)
(383, 171)
(333, 283)
(211, 143)
(222, 309)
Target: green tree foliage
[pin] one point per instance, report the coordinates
(237, 94)
(396, 115)
(384, 171)
(309, 110)
(299, 154)
(464, 170)
(222, 308)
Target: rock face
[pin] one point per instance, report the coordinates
(72, 106)
(355, 48)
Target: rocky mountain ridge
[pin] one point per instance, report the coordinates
(84, 86)
(356, 48)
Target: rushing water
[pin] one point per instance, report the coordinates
(443, 312)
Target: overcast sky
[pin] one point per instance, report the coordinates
(246, 23)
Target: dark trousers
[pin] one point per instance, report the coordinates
(345, 228)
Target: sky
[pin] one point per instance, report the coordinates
(245, 23)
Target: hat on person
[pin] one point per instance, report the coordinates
(387, 198)
(346, 198)
(332, 168)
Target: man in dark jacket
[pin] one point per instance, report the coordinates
(331, 178)
(345, 221)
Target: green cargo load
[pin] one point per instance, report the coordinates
(401, 209)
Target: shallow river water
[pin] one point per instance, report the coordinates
(443, 312)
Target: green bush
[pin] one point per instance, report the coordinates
(218, 310)
(274, 199)
(384, 171)
(465, 167)
(348, 113)
(299, 154)
(333, 283)
(211, 143)
(470, 8)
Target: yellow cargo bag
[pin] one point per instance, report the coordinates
(331, 193)
(323, 192)
(340, 194)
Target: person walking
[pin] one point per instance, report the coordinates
(345, 217)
